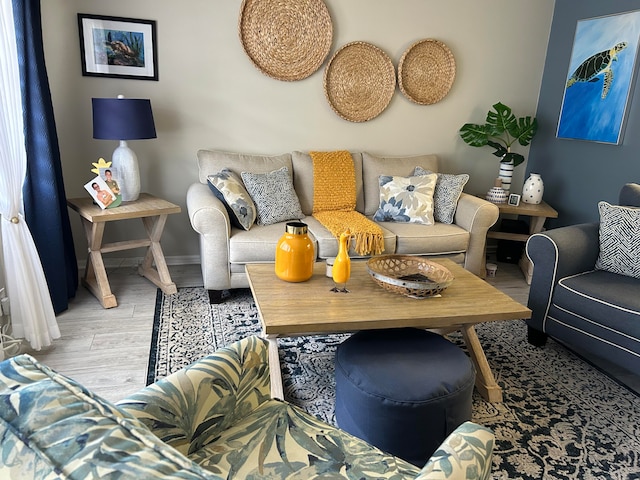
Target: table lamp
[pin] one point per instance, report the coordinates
(124, 119)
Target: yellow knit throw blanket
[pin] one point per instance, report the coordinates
(334, 201)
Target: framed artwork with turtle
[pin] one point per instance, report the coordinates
(600, 78)
(118, 47)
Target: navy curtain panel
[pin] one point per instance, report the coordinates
(44, 196)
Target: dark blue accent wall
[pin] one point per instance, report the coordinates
(577, 174)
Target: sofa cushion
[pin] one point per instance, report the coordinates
(49, 418)
(273, 193)
(258, 245)
(303, 180)
(373, 166)
(211, 162)
(278, 440)
(406, 199)
(605, 305)
(228, 188)
(619, 240)
(416, 239)
(327, 244)
(445, 198)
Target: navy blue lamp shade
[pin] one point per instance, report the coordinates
(122, 119)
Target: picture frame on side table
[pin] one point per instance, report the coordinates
(118, 47)
(101, 193)
(514, 199)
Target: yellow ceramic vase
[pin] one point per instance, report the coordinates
(295, 254)
(341, 271)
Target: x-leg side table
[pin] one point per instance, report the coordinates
(153, 212)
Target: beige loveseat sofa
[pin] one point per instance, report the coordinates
(225, 249)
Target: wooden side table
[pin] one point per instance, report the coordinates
(153, 212)
(538, 215)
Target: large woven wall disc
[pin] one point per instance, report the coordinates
(426, 72)
(286, 39)
(359, 81)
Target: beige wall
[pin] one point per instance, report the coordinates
(210, 94)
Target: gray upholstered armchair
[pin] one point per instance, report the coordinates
(576, 296)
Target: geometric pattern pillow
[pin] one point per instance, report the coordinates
(445, 198)
(228, 188)
(619, 240)
(406, 199)
(274, 196)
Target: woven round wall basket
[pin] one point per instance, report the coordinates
(426, 71)
(286, 39)
(359, 81)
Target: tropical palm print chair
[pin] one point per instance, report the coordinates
(212, 420)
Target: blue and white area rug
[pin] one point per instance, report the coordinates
(561, 417)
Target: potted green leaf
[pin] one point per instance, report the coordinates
(501, 130)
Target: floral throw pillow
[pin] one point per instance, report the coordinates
(619, 240)
(228, 188)
(406, 199)
(274, 196)
(445, 198)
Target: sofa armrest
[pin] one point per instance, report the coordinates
(190, 408)
(210, 219)
(466, 453)
(556, 254)
(476, 216)
(207, 214)
(53, 427)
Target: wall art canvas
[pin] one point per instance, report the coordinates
(600, 77)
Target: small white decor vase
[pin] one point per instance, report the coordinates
(505, 174)
(497, 194)
(533, 189)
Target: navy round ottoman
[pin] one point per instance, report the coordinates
(403, 390)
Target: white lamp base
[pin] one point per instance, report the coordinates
(125, 164)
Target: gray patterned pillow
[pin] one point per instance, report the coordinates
(228, 188)
(274, 196)
(448, 190)
(619, 240)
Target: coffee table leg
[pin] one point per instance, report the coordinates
(277, 389)
(485, 381)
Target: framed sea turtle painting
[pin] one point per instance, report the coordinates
(600, 78)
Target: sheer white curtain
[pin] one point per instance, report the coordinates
(32, 315)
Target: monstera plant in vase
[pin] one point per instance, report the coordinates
(501, 130)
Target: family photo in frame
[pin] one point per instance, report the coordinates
(105, 189)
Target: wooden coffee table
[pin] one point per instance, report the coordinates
(292, 309)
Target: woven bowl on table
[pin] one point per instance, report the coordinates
(407, 275)
(286, 39)
(426, 71)
(359, 81)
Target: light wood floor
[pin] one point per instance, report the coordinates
(107, 350)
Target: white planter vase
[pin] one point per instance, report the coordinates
(497, 195)
(533, 189)
(506, 173)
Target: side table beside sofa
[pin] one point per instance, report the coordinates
(212, 420)
(225, 250)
